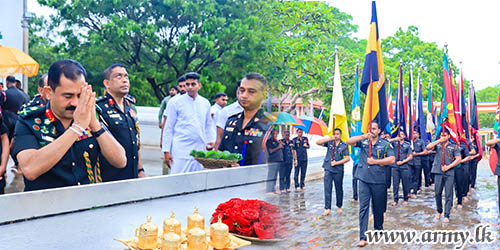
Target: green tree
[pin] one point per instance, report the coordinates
(406, 46)
(300, 52)
(160, 40)
(489, 94)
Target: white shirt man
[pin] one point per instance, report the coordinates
(189, 127)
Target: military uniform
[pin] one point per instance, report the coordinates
(401, 173)
(275, 160)
(497, 171)
(444, 179)
(11, 102)
(416, 166)
(36, 101)
(286, 167)
(473, 166)
(334, 174)
(300, 145)
(426, 167)
(124, 127)
(460, 174)
(3, 130)
(372, 185)
(247, 141)
(36, 128)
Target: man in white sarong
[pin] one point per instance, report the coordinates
(189, 127)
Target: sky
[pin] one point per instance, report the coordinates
(470, 28)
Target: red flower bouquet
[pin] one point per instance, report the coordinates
(252, 218)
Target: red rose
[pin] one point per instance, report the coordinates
(230, 224)
(240, 220)
(250, 214)
(215, 216)
(262, 232)
(266, 220)
(245, 231)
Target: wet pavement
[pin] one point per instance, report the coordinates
(306, 227)
(310, 230)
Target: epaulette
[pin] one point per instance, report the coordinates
(130, 99)
(100, 99)
(31, 111)
(235, 115)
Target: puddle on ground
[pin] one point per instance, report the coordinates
(309, 230)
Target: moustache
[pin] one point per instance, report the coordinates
(70, 108)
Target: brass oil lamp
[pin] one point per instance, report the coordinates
(148, 235)
(219, 235)
(170, 241)
(196, 220)
(197, 240)
(172, 225)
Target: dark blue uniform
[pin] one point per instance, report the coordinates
(497, 171)
(246, 141)
(460, 174)
(3, 130)
(444, 179)
(124, 127)
(300, 145)
(372, 185)
(11, 102)
(416, 166)
(401, 173)
(426, 166)
(334, 174)
(473, 166)
(36, 128)
(36, 101)
(286, 167)
(275, 160)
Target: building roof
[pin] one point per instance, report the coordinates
(317, 104)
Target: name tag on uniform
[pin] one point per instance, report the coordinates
(229, 129)
(115, 116)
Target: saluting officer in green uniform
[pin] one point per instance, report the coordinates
(117, 111)
(62, 143)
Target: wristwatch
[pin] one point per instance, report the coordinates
(140, 170)
(99, 132)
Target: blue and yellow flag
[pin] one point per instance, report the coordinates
(355, 118)
(373, 80)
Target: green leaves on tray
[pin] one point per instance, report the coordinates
(226, 155)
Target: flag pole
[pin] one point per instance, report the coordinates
(333, 89)
(370, 112)
(442, 107)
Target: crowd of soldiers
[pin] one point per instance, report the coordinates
(442, 163)
(67, 136)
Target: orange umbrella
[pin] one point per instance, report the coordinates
(14, 61)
